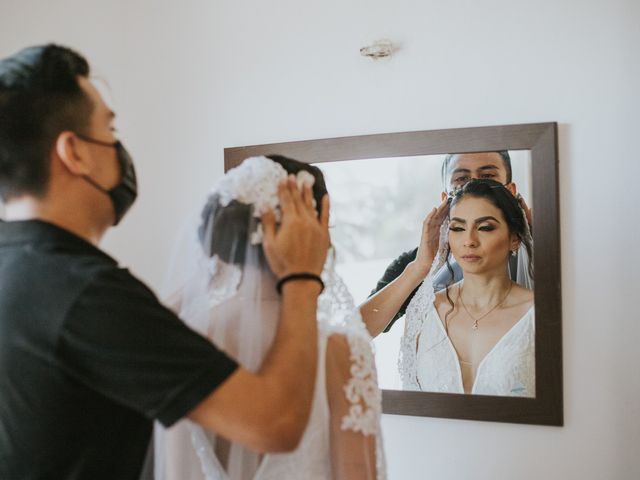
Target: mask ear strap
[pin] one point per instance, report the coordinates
(102, 144)
(95, 184)
(97, 142)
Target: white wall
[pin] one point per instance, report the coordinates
(193, 77)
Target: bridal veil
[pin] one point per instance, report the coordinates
(220, 284)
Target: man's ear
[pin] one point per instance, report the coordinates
(72, 153)
(443, 196)
(512, 187)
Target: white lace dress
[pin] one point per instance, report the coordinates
(343, 432)
(191, 455)
(428, 361)
(507, 370)
(312, 459)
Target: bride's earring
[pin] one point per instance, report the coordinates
(514, 252)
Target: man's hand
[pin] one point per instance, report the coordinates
(430, 240)
(301, 242)
(528, 212)
(286, 378)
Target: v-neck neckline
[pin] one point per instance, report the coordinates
(455, 352)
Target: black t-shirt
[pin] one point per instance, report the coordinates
(392, 272)
(88, 358)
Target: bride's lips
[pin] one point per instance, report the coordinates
(471, 258)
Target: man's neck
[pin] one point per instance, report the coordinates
(27, 208)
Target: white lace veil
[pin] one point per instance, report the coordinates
(424, 298)
(524, 275)
(416, 312)
(219, 283)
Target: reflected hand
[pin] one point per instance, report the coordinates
(528, 212)
(301, 242)
(430, 240)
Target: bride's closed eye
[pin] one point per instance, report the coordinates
(456, 228)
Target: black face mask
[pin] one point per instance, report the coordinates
(124, 193)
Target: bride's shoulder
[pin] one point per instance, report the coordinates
(445, 296)
(522, 295)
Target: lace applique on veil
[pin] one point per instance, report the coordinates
(224, 280)
(337, 313)
(416, 313)
(362, 390)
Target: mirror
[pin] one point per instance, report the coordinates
(377, 215)
(381, 188)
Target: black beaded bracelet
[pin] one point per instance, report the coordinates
(299, 276)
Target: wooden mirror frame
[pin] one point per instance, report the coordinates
(541, 139)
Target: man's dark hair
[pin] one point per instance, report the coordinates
(503, 154)
(40, 97)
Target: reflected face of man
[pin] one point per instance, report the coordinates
(466, 166)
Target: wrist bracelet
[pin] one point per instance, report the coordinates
(299, 276)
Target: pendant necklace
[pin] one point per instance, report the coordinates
(476, 320)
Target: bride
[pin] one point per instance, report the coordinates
(476, 336)
(221, 285)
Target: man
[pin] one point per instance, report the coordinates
(402, 278)
(88, 356)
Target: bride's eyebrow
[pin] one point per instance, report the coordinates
(484, 219)
(458, 219)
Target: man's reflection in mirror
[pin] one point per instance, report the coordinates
(457, 170)
(443, 348)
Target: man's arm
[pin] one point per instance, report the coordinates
(378, 310)
(268, 411)
(393, 271)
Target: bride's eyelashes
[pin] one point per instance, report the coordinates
(482, 228)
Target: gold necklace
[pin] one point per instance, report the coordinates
(476, 320)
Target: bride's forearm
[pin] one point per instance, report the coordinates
(378, 310)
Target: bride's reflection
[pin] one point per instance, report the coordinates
(457, 169)
(460, 354)
(477, 335)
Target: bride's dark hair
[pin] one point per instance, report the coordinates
(503, 199)
(233, 222)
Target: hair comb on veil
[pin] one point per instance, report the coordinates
(255, 182)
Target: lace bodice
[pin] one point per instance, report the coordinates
(193, 458)
(188, 449)
(314, 452)
(310, 457)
